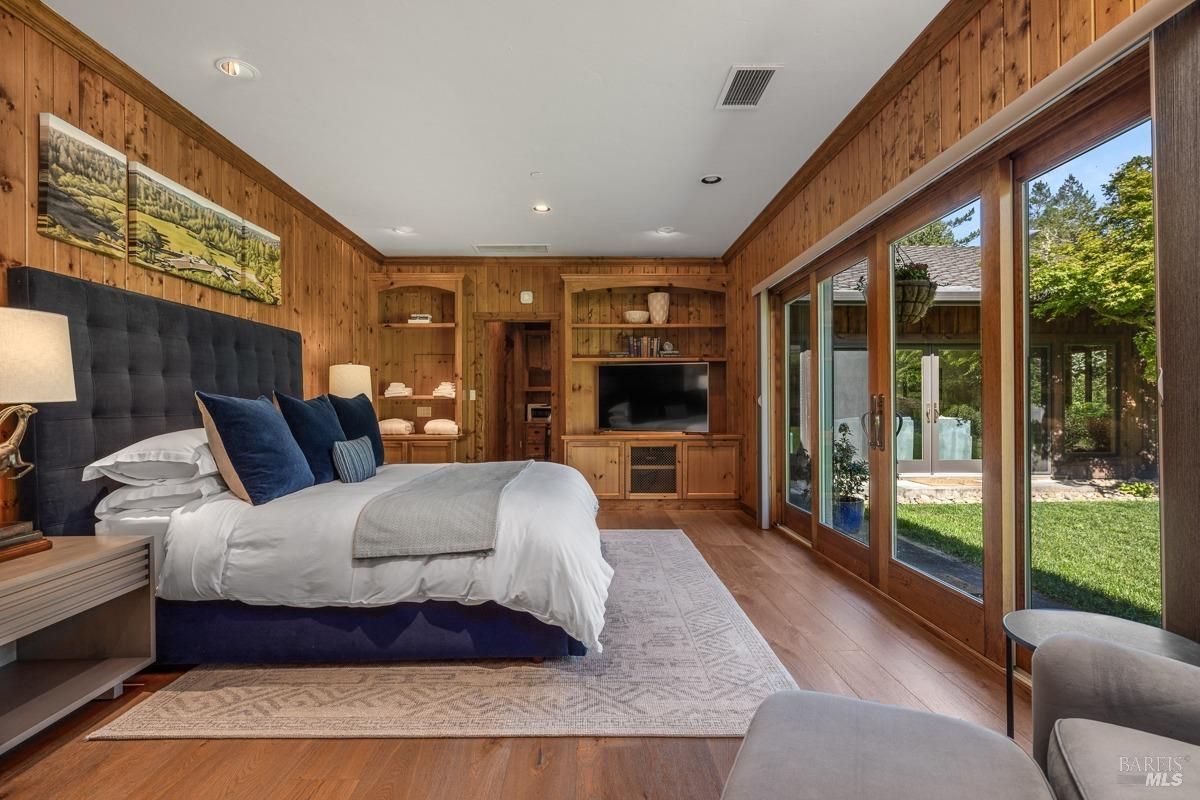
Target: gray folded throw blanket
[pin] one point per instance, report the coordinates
(450, 510)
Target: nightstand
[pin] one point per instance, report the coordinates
(75, 622)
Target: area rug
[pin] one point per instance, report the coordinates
(680, 659)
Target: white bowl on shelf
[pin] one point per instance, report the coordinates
(637, 317)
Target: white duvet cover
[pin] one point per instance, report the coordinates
(295, 551)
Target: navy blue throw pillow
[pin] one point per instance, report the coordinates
(354, 460)
(315, 426)
(254, 450)
(357, 416)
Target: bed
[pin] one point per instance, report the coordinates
(234, 588)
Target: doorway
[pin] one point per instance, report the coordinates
(520, 398)
(939, 409)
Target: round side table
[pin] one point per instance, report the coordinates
(1030, 627)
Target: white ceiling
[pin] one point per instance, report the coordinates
(433, 114)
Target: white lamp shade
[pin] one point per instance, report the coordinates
(35, 357)
(350, 380)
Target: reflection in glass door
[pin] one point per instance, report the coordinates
(938, 380)
(845, 471)
(1093, 492)
(798, 389)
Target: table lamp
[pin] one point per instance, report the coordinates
(350, 380)
(35, 367)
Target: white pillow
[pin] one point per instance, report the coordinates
(160, 497)
(167, 458)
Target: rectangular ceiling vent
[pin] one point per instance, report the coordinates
(745, 86)
(512, 249)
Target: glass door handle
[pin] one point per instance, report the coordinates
(936, 413)
(877, 421)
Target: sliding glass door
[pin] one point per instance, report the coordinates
(1091, 492)
(798, 394)
(938, 373)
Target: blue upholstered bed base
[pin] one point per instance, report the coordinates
(234, 633)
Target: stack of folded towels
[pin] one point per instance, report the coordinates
(396, 426)
(398, 389)
(441, 427)
(444, 389)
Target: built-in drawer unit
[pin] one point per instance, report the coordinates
(420, 448)
(693, 470)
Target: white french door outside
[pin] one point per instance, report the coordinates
(938, 403)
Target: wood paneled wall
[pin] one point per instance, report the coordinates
(493, 289)
(958, 75)
(324, 269)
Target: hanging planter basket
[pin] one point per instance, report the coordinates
(914, 297)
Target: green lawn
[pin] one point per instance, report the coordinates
(1095, 556)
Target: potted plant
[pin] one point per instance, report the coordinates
(850, 476)
(913, 290)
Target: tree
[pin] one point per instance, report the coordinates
(1103, 264)
(940, 233)
(1058, 219)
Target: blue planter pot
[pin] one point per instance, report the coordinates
(848, 515)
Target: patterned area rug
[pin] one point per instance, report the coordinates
(680, 659)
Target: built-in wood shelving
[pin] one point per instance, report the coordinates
(594, 327)
(418, 325)
(427, 354)
(646, 360)
(647, 326)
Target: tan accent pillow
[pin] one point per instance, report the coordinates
(224, 465)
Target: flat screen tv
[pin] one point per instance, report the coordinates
(652, 397)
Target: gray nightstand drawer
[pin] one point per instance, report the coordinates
(38, 605)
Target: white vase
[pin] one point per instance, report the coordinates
(659, 304)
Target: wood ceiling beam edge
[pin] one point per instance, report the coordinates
(88, 51)
(949, 21)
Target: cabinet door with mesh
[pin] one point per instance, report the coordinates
(653, 471)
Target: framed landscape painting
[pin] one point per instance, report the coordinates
(82, 192)
(175, 230)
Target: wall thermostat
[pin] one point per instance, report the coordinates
(527, 298)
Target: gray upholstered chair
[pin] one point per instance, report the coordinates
(1101, 709)
(811, 746)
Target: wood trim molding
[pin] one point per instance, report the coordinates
(88, 51)
(949, 21)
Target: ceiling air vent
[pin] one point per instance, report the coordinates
(745, 86)
(512, 249)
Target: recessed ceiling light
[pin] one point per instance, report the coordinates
(665, 230)
(709, 180)
(541, 208)
(236, 68)
(404, 230)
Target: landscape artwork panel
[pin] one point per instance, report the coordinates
(175, 230)
(262, 257)
(82, 190)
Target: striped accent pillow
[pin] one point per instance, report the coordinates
(354, 460)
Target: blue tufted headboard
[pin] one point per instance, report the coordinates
(138, 359)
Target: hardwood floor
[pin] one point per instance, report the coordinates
(834, 633)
